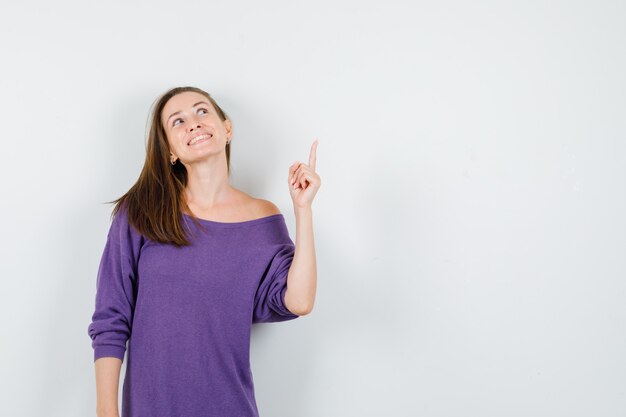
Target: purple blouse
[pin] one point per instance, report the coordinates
(187, 313)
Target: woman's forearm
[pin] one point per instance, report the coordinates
(302, 276)
(107, 385)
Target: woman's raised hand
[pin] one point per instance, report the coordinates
(304, 181)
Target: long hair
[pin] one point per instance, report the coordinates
(154, 204)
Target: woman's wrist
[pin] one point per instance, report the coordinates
(302, 210)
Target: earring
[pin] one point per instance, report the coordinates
(173, 162)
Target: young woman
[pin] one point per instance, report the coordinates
(190, 262)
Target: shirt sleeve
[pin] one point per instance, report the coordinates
(116, 289)
(269, 301)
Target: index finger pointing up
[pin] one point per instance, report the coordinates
(313, 155)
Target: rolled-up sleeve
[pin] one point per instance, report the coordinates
(269, 302)
(116, 289)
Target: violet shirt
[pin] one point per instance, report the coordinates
(187, 313)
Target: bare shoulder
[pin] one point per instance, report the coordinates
(266, 208)
(256, 207)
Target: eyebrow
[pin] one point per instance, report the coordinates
(174, 114)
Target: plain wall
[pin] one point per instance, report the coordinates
(469, 230)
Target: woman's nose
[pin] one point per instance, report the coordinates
(193, 126)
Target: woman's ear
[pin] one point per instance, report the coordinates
(229, 129)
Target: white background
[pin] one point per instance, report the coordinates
(470, 228)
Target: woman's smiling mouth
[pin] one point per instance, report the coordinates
(199, 138)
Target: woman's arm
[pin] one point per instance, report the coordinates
(107, 385)
(302, 277)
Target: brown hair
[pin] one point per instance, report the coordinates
(154, 204)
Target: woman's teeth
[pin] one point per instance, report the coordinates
(199, 138)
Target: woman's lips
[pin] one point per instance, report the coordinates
(203, 138)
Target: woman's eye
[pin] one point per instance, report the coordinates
(174, 122)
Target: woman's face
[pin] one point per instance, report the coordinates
(193, 128)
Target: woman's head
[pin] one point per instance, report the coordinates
(155, 203)
(181, 115)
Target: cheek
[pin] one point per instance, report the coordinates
(174, 144)
(176, 139)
